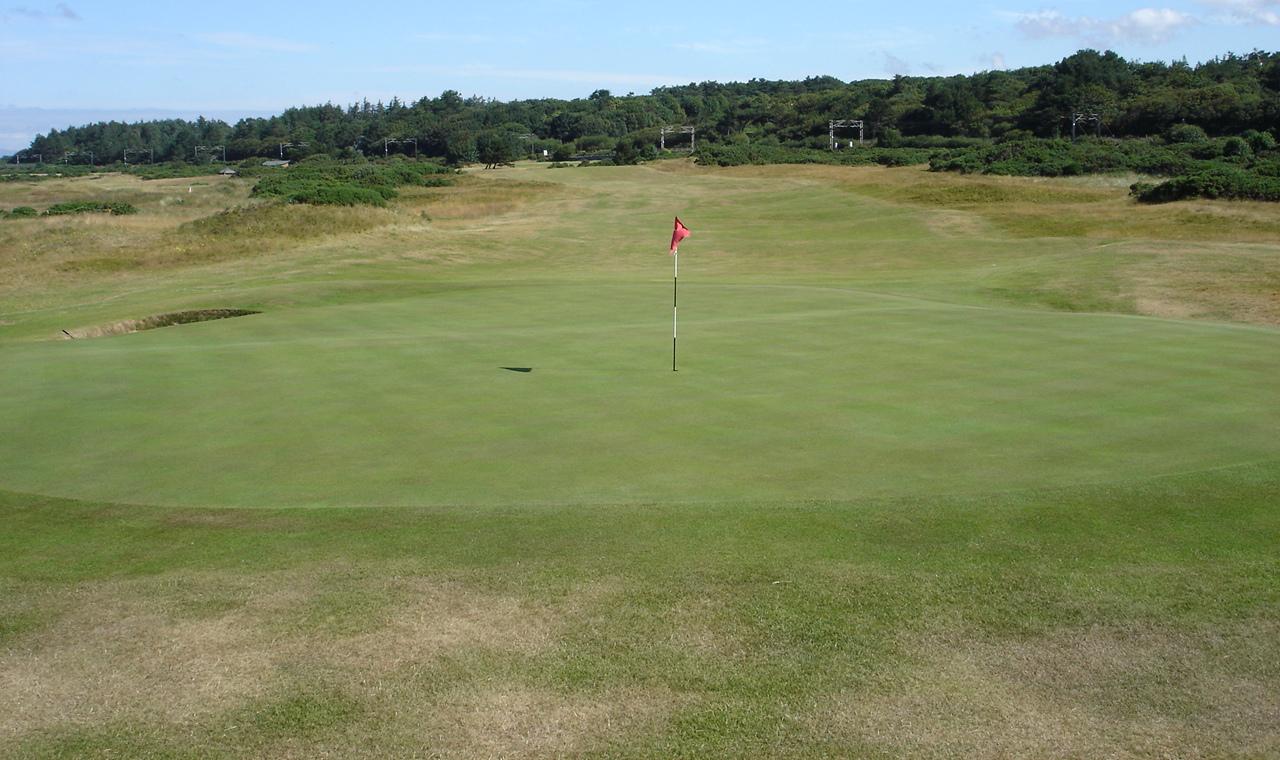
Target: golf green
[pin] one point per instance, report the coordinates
(786, 392)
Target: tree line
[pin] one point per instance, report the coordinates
(1228, 95)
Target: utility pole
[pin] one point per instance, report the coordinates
(211, 148)
(387, 141)
(17, 158)
(151, 154)
(682, 130)
(1078, 117)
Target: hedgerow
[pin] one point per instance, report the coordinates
(347, 184)
(740, 154)
(1227, 167)
(116, 208)
(1215, 182)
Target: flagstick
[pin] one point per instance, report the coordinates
(675, 305)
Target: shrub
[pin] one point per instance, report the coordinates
(1259, 142)
(171, 170)
(116, 208)
(1216, 182)
(23, 212)
(562, 152)
(738, 154)
(327, 182)
(1187, 133)
(1236, 146)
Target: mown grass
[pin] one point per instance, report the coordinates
(924, 485)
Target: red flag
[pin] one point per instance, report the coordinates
(681, 232)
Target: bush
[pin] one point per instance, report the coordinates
(1060, 158)
(562, 152)
(1216, 182)
(23, 212)
(739, 154)
(115, 208)
(171, 170)
(1259, 142)
(328, 182)
(1187, 133)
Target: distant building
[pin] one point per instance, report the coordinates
(228, 172)
(276, 163)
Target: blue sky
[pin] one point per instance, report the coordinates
(75, 61)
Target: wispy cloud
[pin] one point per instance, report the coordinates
(470, 39)
(991, 61)
(1265, 12)
(575, 76)
(893, 65)
(722, 47)
(60, 12)
(1145, 25)
(243, 41)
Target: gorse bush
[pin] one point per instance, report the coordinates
(24, 212)
(1227, 167)
(116, 208)
(740, 154)
(171, 170)
(1215, 182)
(335, 183)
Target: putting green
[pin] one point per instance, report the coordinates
(785, 392)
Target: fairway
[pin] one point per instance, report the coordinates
(943, 471)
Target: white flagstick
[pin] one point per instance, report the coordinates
(675, 305)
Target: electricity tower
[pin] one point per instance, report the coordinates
(835, 124)
(692, 132)
(399, 141)
(290, 145)
(210, 149)
(1084, 117)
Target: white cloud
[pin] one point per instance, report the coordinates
(1265, 12)
(242, 41)
(1145, 25)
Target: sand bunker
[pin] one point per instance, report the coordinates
(154, 321)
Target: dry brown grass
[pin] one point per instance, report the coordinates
(179, 650)
(1105, 692)
(431, 618)
(115, 654)
(508, 720)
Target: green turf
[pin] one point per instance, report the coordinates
(920, 487)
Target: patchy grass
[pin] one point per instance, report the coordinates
(1131, 619)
